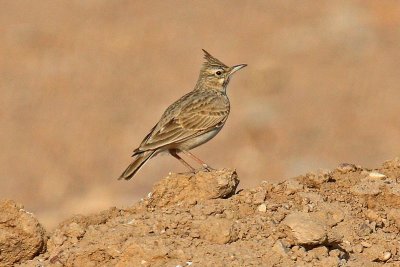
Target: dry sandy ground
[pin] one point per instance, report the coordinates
(348, 216)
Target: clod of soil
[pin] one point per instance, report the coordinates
(349, 216)
(190, 188)
(21, 235)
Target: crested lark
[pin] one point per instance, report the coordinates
(192, 120)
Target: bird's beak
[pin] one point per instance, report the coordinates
(236, 68)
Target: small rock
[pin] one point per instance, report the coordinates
(262, 208)
(394, 215)
(22, 237)
(335, 253)
(372, 216)
(386, 256)
(306, 208)
(306, 228)
(334, 214)
(364, 230)
(311, 197)
(358, 248)
(75, 230)
(320, 177)
(57, 239)
(193, 188)
(346, 168)
(259, 197)
(376, 252)
(229, 214)
(320, 252)
(280, 248)
(293, 185)
(216, 230)
(368, 187)
(366, 244)
(376, 175)
(295, 248)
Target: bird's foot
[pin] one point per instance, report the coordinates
(204, 168)
(207, 168)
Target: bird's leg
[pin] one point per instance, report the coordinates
(208, 168)
(174, 153)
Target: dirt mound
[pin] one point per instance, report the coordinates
(21, 235)
(349, 216)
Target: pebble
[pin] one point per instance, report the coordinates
(346, 168)
(320, 252)
(306, 209)
(259, 197)
(262, 208)
(319, 177)
(372, 215)
(307, 228)
(358, 248)
(386, 256)
(292, 186)
(368, 187)
(336, 253)
(366, 244)
(280, 248)
(310, 207)
(295, 248)
(376, 175)
(229, 214)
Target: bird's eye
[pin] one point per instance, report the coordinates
(218, 73)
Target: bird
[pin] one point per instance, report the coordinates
(190, 121)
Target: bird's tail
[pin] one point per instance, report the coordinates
(135, 166)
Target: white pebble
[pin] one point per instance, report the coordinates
(262, 208)
(376, 175)
(131, 221)
(386, 256)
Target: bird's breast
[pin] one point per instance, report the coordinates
(199, 140)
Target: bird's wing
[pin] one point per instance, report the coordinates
(196, 115)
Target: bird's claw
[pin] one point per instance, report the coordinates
(207, 168)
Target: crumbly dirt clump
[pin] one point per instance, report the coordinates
(349, 216)
(22, 237)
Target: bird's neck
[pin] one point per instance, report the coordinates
(203, 84)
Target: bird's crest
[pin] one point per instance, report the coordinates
(212, 61)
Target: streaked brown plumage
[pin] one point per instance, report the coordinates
(192, 120)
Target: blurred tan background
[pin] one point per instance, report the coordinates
(82, 82)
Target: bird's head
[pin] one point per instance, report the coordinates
(214, 74)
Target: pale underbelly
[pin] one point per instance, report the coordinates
(199, 140)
